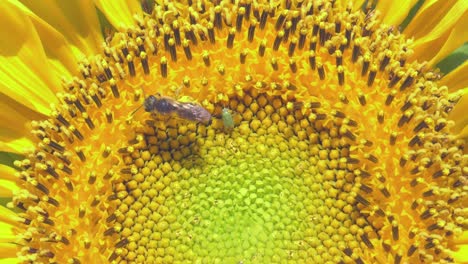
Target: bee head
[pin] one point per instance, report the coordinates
(150, 103)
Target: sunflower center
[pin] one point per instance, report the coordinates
(266, 189)
(338, 149)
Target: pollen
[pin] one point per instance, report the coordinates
(337, 148)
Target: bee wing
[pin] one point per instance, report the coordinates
(194, 112)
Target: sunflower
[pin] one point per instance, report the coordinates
(333, 135)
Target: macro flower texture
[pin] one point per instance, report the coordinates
(241, 131)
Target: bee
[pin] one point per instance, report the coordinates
(167, 106)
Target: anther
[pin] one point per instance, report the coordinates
(287, 31)
(65, 168)
(408, 81)
(356, 52)
(343, 98)
(78, 104)
(188, 53)
(415, 140)
(405, 118)
(421, 125)
(92, 178)
(109, 231)
(218, 19)
(281, 19)
(114, 89)
(390, 97)
(365, 188)
(321, 71)
(109, 116)
(313, 44)
(131, 65)
(322, 34)
(68, 184)
(393, 137)
(261, 48)
(385, 60)
(338, 58)
(172, 49)
(371, 77)
(381, 116)
(52, 171)
(428, 213)
(263, 18)
(395, 233)
(411, 250)
(251, 32)
(362, 99)
(230, 39)
(96, 201)
(163, 67)
(211, 34)
(385, 191)
(395, 78)
(243, 55)
(365, 65)
(240, 18)
(221, 69)
(312, 60)
(42, 188)
(341, 78)
(51, 201)
(80, 154)
(96, 99)
(88, 120)
(292, 47)
(189, 34)
(61, 119)
(53, 144)
(81, 211)
(121, 243)
(366, 241)
(302, 37)
(292, 65)
(441, 123)
(206, 58)
(371, 158)
(107, 71)
(397, 259)
(278, 39)
(176, 31)
(362, 200)
(274, 64)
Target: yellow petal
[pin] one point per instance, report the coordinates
(394, 12)
(461, 255)
(14, 123)
(7, 188)
(456, 79)
(7, 173)
(458, 113)
(9, 249)
(119, 13)
(456, 38)
(77, 21)
(7, 253)
(20, 145)
(6, 233)
(24, 73)
(431, 34)
(8, 217)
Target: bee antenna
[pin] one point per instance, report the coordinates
(134, 111)
(138, 108)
